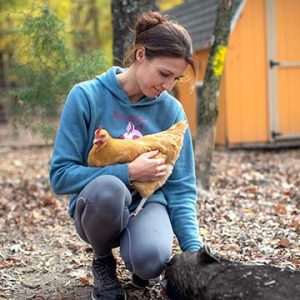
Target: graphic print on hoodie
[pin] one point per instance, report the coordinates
(132, 132)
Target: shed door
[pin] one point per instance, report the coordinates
(283, 23)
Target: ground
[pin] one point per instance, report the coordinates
(252, 215)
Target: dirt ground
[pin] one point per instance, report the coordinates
(252, 215)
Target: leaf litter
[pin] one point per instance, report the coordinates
(251, 215)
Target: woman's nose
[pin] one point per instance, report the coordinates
(168, 86)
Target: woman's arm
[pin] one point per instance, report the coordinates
(180, 192)
(68, 171)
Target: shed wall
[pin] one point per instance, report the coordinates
(246, 77)
(287, 22)
(243, 103)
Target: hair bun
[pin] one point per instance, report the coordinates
(148, 20)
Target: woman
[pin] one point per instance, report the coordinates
(129, 103)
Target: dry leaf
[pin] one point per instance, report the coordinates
(49, 200)
(281, 209)
(295, 261)
(252, 190)
(86, 280)
(284, 243)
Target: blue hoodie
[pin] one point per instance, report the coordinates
(103, 101)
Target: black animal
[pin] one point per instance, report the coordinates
(201, 276)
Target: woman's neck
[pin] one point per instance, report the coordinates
(128, 81)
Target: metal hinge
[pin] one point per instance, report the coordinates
(274, 63)
(275, 134)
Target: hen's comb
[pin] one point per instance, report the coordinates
(98, 130)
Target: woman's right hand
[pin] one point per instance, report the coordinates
(147, 168)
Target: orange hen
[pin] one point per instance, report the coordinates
(107, 151)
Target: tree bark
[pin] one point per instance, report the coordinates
(2, 86)
(207, 97)
(2, 71)
(85, 22)
(124, 14)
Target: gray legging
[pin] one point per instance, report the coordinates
(103, 220)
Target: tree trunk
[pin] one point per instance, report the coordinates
(2, 86)
(94, 16)
(207, 97)
(123, 17)
(85, 22)
(2, 71)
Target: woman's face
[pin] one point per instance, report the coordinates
(158, 74)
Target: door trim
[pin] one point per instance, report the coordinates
(272, 72)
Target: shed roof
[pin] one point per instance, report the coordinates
(198, 17)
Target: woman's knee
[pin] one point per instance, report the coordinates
(151, 262)
(106, 195)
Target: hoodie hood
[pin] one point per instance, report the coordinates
(110, 81)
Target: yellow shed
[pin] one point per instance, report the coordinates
(259, 102)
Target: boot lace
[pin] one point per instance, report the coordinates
(106, 270)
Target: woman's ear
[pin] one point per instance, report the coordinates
(140, 54)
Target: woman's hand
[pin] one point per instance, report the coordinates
(147, 168)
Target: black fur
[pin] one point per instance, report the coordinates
(201, 276)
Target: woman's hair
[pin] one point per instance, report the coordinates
(161, 38)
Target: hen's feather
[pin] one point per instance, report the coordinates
(107, 150)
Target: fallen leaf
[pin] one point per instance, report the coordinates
(252, 190)
(281, 209)
(86, 280)
(283, 243)
(295, 261)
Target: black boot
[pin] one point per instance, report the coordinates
(106, 284)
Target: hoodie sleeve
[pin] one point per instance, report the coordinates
(68, 171)
(180, 192)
